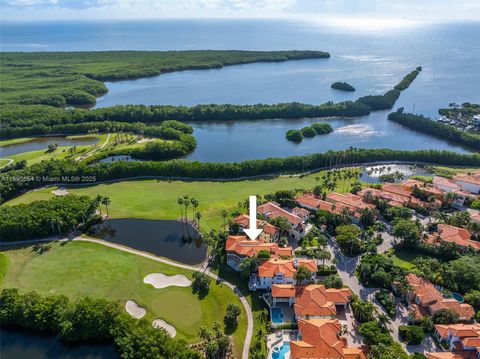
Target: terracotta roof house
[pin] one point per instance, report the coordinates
(354, 203)
(280, 271)
(452, 234)
(273, 210)
(270, 233)
(313, 203)
(424, 186)
(320, 338)
(463, 341)
(468, 182)
(311, 301)
(427, 300)
(240, 247)
(451, 186)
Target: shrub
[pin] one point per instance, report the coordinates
(201, 283)
(322, 128)
(231, 317)
(411, 334)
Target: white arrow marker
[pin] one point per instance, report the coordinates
(253, 232)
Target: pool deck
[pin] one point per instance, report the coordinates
(278, 338)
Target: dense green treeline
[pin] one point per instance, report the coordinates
(14, 182)
(89, 320)
(22, 120)
(387, 100)
(41, 219)
(42, 118)
(437, 129)
(74, 78)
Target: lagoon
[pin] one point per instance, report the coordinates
(41, 143)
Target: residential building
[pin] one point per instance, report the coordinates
(240, 247)
(468, 182)
(320, 338)
(450, 186)
(270, 233)
(354, 203)
(463, 341)
(311, 301)
(280, 271)
(426, 300)
(451, 234)
(299, 227)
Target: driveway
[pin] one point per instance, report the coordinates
(346, 270)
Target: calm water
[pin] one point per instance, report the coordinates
(41, 143)
(371, 59)
(162, 238)
(22, 345)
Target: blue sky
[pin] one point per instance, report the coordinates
(118, 9)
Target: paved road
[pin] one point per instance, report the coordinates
(10, 161)
(346, 269)
(204, 268)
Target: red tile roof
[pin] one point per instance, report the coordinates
(469, 335)
(320, 339)
(465, 177)
(316, 300)
(430, 297)
(285, 266)
(244, 219)
(446, 182)
(273, 210)
(244, 247)
(452, 234)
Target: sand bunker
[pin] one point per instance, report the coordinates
(60, 191)
(159, 280)
(134, 309)
(160, 323)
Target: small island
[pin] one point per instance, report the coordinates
(308, 131)
(343, 86)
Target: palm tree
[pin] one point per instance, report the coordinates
(194, 203)
(98, 200)
(224, 215)
(198, 216)
(180, 203)
(383, 320)
(106, 201)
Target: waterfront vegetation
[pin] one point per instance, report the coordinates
(74, 78)
(41, 219)
(25, 119)
(45, 173)
(343, 86)
(82, 269)
(89, 320)
(387, 100)
(308, 131)
(437, 129)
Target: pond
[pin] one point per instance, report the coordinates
(22, 345)
(41, 143)
(159, 237)
(371, 174)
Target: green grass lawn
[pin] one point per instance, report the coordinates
(78, 269)
(14, 141)
(404, 258)
(42, 155)
(157, 199)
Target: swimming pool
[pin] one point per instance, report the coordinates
(458, 297)
(280, 352)
(277, 315)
